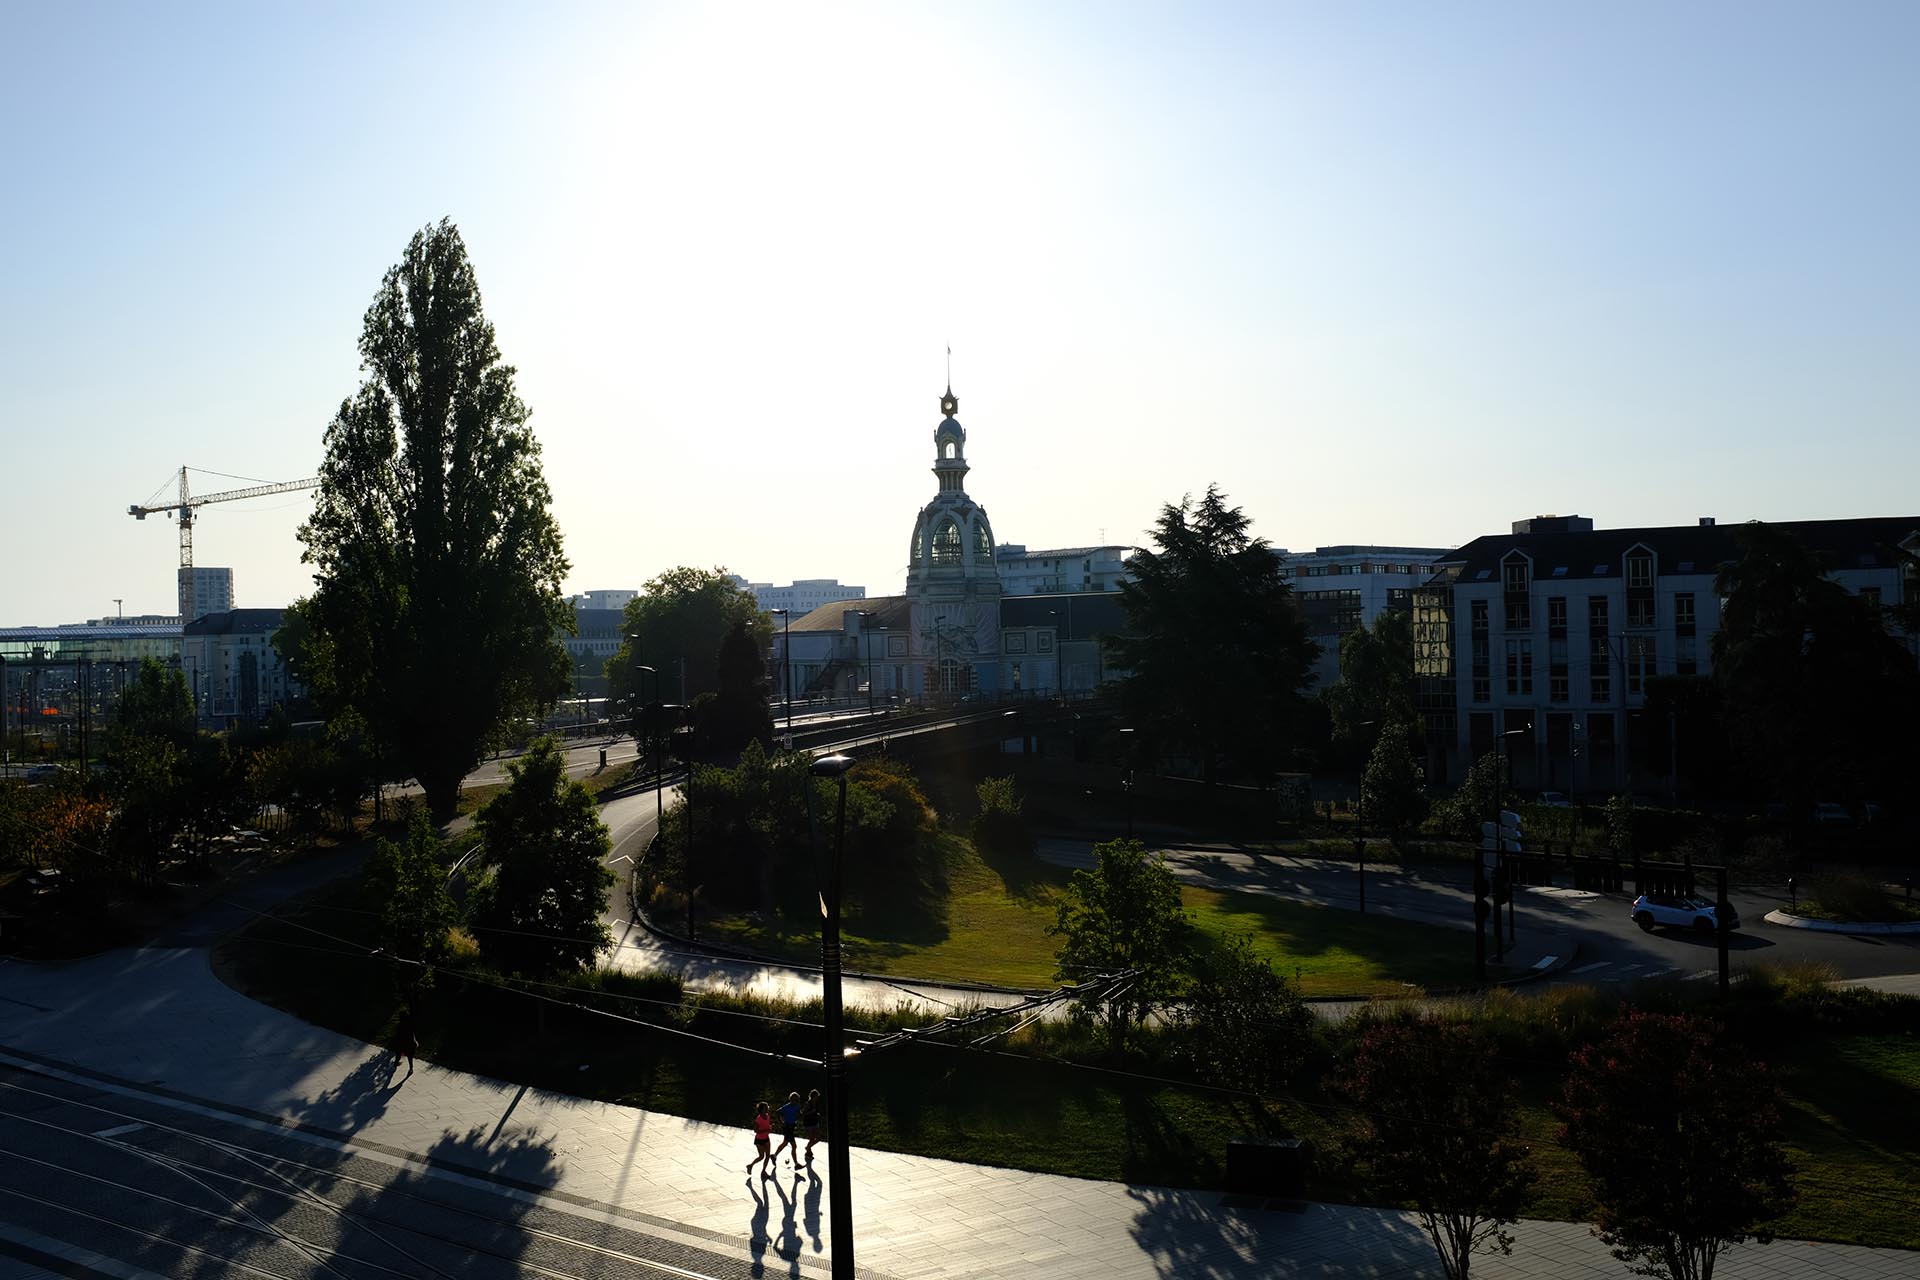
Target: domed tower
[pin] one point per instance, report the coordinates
(952, 581)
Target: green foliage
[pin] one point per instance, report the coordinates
(735, 713)
(539, 911)
(999, 829)
(1124, 915)
(754, 833)
(1620, 826)
(1819, 697)
(150, 807)
(1240, 1025)
(1680, 1133)
(1393, 792)
(1216, 651)
(1472, 802)
(437, 562)
(155, 704)
(1375, 688)
(406, 886)
(1850, 895)
(678, 623)
(1438, 1132)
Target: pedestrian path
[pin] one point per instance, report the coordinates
(158, 1022)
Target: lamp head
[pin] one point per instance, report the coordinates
(830, 766)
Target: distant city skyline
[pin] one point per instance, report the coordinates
(1388, 275)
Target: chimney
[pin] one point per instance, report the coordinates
(1706, 522)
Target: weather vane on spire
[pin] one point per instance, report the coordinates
(949, 403)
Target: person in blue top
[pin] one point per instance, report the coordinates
(789, 1119)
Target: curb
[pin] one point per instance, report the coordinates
(1857, 928)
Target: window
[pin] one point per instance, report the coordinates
(946, 543)
(1600, 689)
(1516, 575)
(1640, 611)
(1686, 660)
(1519, 667)
(1479, 615)
(1683, 610)
(1557, 684)
(1556, 615)
(1870, 596)
(1482, 689)
(1639, 663)
(1640, 571)
(1597, 615)
(1519, 614)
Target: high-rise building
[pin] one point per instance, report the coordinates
(204, 591)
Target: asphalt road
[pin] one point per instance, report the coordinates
(174, 1190)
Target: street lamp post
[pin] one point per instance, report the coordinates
(1126, 783)
(867, 635)
(1360, 824)
(839, 1165)
(786, 665)
(1501, 756)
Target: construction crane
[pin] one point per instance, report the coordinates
(183, 509)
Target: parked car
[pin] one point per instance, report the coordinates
(1650, 909)
(1555, 800)
(1828, 814)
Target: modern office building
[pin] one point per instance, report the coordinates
(1544, 640)
(1342, 589)
(1060, 569)
(614, 600)
(803, 595)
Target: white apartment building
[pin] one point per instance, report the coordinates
(232, 669)
(615, 600)
(1058, 570)
(1551, 634)
(803, 595)
(1343, 589)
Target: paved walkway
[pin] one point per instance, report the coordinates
(158, 1020)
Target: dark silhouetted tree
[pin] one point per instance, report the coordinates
(1680, 1132)
(537, 911)
(1438, 1127)
(1216, 653)
(437, 603)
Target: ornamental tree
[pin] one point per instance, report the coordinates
(1437, 1132)
(1124, 914)
(1680, 1132)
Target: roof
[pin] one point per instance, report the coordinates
(236, 622)
(1004, 553)
(889, 612)
(1843, 544)
(116, 632)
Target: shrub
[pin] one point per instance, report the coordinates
(999, 829)
(1850, 895)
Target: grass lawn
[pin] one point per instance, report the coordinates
(993, 930)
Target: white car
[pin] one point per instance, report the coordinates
(1555, 800)
(1650, 909)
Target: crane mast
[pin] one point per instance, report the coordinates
(183, 512)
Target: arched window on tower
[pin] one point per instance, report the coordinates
(982, 542)
(946, 543)
(919, 543)
(946, 450)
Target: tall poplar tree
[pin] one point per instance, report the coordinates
(438, 564)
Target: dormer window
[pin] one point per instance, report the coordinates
(1639, 571)
(1516, 575)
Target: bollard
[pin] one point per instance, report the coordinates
(1793, 892)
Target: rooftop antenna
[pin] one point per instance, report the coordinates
(118, 612)
(949, 366)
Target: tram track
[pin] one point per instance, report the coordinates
(389, 1213)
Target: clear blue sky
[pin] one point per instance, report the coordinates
(1388, 273)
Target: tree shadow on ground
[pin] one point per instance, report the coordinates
(1198, 1235)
